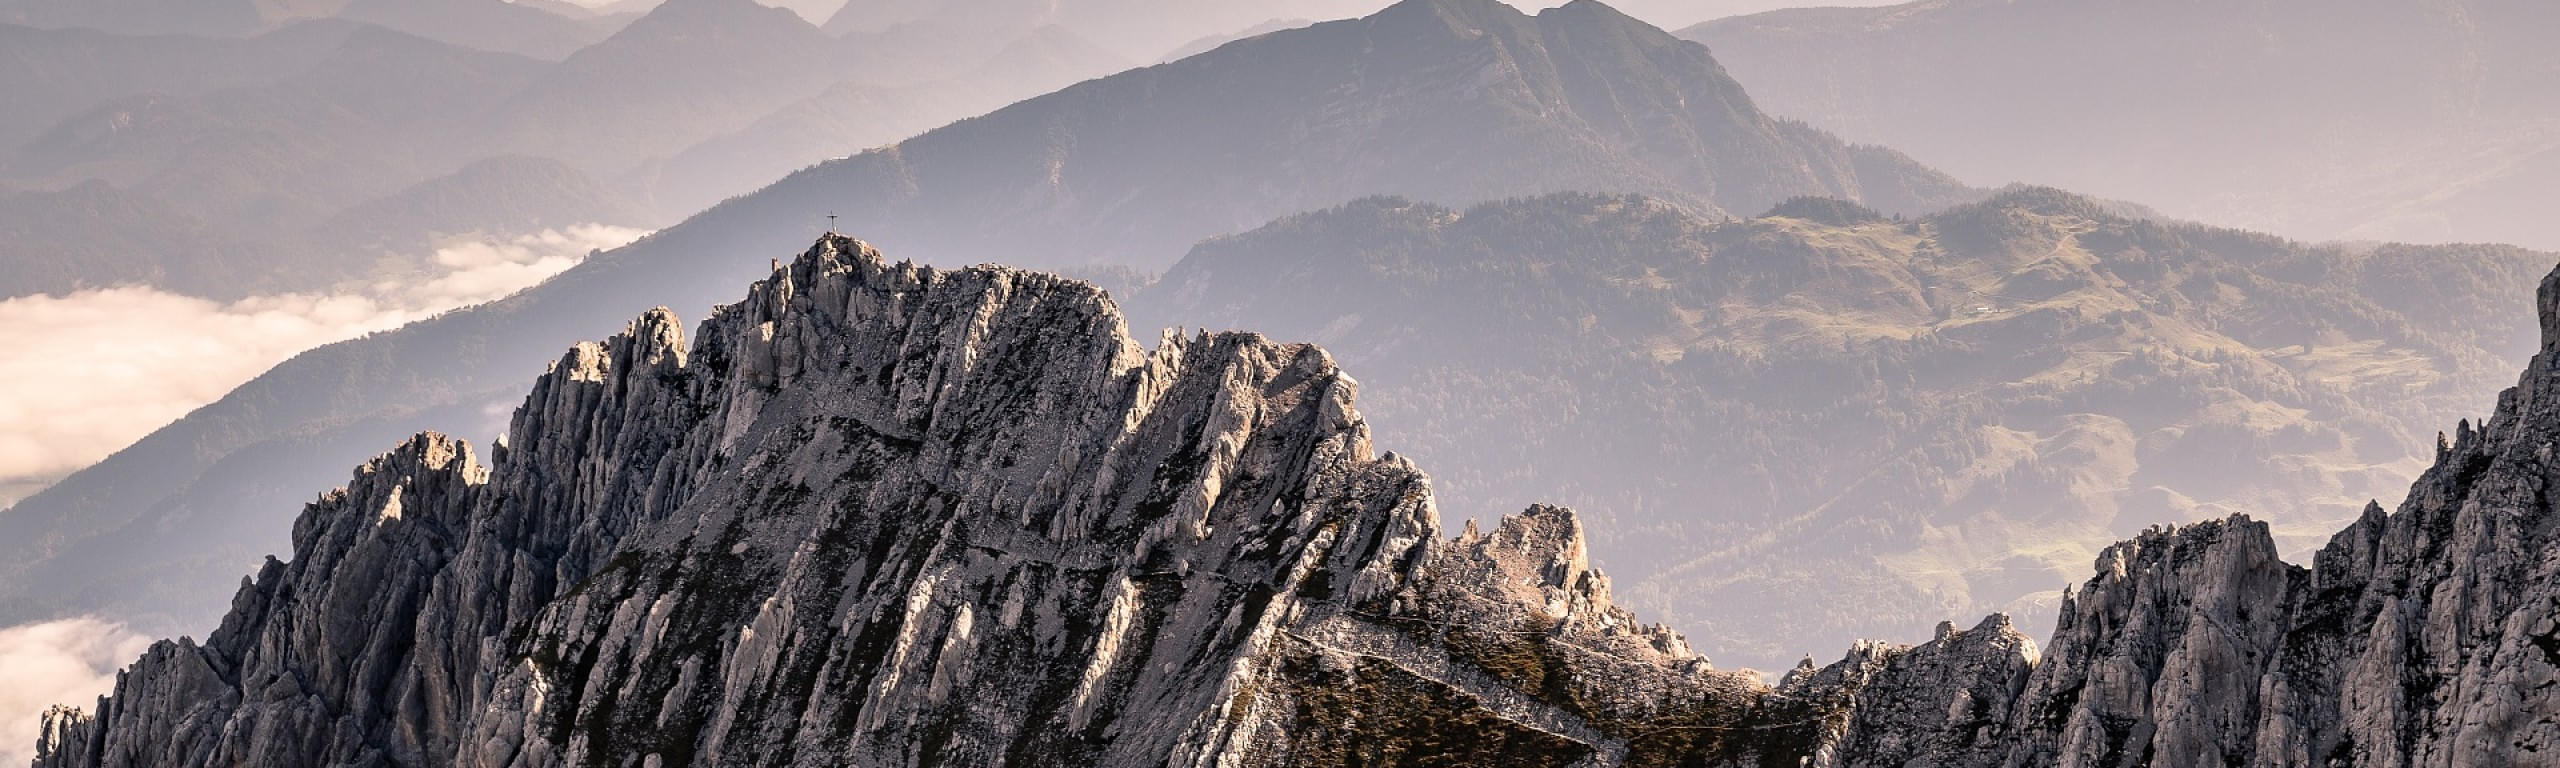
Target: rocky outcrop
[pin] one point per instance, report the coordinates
(2429, 636)
(884, 515)
(2426, 637)
(1943, 703)
(2162, 651)
(880, 514)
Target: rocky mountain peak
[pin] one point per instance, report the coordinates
(884, 514)
(892, 514)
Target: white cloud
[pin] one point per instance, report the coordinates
(70, 661)
(86, 374)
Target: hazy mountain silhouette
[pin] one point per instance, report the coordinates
(285, 135)
(53, 74)
(1827, 424)
(2362, 119)
(863, 113)
(163, 17)
(1137, 30)
(688, 69)
(491, 25)
(1144, 162)
(358, 113)
(1454, 100)
(381, 111)
(541, 28)
(1211, 42)
(502, 194)
(95, 235)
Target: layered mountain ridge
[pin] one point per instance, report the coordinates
(891, 515)
(2355, 119)
(278, 135)
(1134, 168)
(1825, 423)
(1415, 99)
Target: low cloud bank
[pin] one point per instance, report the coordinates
(70, 661)
(85, 374)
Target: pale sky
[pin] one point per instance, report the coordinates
(1674, 14)
(1667, 14)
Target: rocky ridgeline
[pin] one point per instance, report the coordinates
(888, 515)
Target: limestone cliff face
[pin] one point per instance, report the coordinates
(884, 515)
(887, 515)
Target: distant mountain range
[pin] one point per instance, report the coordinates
(292, 131)
(2318, 119)
(96, 233)
(1460, 99)
(514, 27)
(280, 120)
(227, 18)
(1880, 384)
(1827, 423)
(1137, 30)
(1451, 100)
(887, 515)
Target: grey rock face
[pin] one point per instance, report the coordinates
(2424, 637)
(2162, 651)
(888, 515)
(1944, 702)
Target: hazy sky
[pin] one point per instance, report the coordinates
(1674, 14)
(1668, 14)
